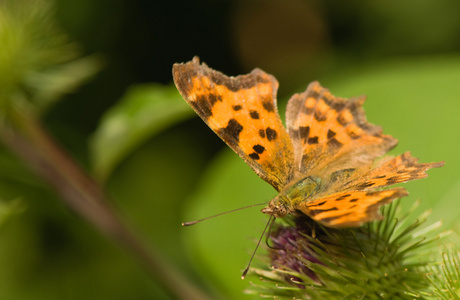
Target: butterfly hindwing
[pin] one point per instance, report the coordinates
(391, 171)
(359, 193)
(349, 208)
(331, 133)
(242, 111)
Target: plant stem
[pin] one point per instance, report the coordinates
(25, 136)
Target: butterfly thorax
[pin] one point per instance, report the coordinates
(295, 193)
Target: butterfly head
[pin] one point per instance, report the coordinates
(277, 207)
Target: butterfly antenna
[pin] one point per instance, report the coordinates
(224, 213)
(267, 236)
(257, 247)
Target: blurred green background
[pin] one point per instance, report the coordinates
(160, 163)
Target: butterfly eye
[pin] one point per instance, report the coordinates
(280, 210)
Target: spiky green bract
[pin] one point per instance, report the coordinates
(38, 63)
(380, 260)
(444, 278)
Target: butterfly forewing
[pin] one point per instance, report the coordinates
(242, 111)
(331, 133)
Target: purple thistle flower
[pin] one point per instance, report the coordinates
(290, 251)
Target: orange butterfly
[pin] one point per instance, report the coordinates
(324, 165)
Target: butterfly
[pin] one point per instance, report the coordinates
(327, 162)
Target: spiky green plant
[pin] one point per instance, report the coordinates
(444, 278)
(381, 260)
(38, 62)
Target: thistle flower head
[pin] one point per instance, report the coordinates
(445, 276)
(290, 251)
(383, 259)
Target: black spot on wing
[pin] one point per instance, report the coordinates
(262, 133)
(314, 212)
(304, 132)
(330, 134)
(365, 185)
(271, 134)
(232, 130)
(213, 98)
(268, 105)
(301, 133)
(343, 197)
(393, 180)
(254, 115)
(334, 143)
(319, 204)
(259, 148)
(313, 140)
(237, 107)
(254, 156)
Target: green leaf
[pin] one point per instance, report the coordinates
(144, 111)
(47, 87)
